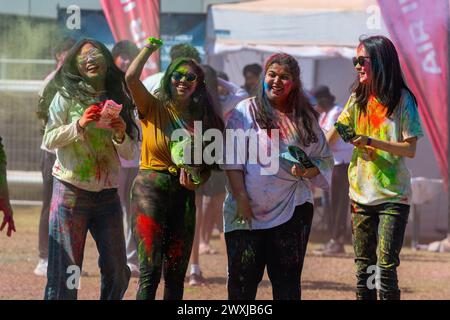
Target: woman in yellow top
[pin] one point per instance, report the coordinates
(382, 112)
(163, 198)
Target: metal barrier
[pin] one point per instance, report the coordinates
(21, 132)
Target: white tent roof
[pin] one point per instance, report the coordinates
(306, 28)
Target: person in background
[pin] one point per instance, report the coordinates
(48, 157)
(182, 50)
(383, 115)
(86, 170)
(210, 196)
(5, 204)
(268, 215)
(251, 73)
(338, 204)
(123, 53)
(230, 94)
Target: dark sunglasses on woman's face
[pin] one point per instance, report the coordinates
(188, 76)
(361, 60)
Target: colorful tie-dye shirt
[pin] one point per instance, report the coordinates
(88, 160)
(377, 176)
(273, 197)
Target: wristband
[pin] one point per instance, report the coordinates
(79, 127)
(369, 141)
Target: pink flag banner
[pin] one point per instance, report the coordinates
(419, 30)
(134, 20)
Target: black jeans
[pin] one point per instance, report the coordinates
(164, 227)
(378, 233)
(282, 249)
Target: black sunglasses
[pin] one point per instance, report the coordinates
(188, 76)
(361, 60)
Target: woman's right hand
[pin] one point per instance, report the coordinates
(244, 211)
(90, 114)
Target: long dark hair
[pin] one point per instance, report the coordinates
(212, 87)
(303, 111)
(202, 106)
(67, 81)
(387, 80)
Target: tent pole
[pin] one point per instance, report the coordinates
(448, 118)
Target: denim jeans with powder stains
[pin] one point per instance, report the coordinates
(73, 212)
(378, 233)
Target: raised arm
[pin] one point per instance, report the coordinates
(142, 98)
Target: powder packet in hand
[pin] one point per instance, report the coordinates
(110, 110)
(347, 133)
(298, 156)
(155, 41)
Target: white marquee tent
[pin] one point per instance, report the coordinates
(323, 34)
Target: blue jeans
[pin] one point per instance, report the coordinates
(73, 212)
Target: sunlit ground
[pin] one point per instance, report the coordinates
(423, 275)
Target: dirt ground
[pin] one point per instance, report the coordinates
(422, 275)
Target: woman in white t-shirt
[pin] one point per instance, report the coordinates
(268, 209)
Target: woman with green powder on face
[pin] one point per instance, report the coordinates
(382, 113)
(163, 197)
(86, 171)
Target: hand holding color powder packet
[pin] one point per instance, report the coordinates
(110, 110)
(153, 44)
(155, 41)
(177, 152)
(298, 156)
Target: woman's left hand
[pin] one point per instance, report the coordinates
(186, 181)
(360, 141)
(118, 126)
(307, 173)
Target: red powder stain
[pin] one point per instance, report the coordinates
(147, 228)
(98, 174)
(377, 113)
